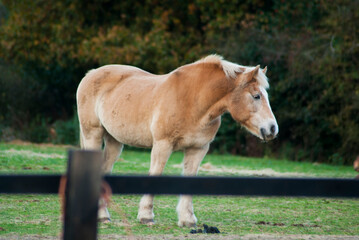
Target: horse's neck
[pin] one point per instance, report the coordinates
(212, 98)
(215, 110)
(202, 90)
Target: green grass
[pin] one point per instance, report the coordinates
(40, 214)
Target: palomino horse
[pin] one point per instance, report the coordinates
(180, 110)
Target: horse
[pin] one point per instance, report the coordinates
(178, 111)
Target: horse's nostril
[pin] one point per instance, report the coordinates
(272, 129)
(263, 132)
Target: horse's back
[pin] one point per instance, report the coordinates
(108, 76)
(119, 98)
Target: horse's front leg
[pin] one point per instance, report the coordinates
(192, 159)
(160, 153)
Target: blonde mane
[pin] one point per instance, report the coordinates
(232, 69)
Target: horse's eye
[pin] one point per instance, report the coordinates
(257, 96)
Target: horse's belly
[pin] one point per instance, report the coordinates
(125, 113)
(130, 134)
(128, 126)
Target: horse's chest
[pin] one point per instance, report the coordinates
(199, 137)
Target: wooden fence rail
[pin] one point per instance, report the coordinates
(242, 186)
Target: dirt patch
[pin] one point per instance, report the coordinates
(31, 154)
(282, 224)
(191, 236)
(269, 223)
(26, 143)
(27, 237)
(267, 172)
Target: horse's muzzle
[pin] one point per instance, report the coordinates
(270, 133)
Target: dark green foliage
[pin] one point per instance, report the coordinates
(66, 132)
(310, 47)
(36, 131)
(311, 50)
(18, 96)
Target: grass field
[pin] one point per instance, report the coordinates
(23, 215)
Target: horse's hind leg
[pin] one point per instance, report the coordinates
(192, 159)
(160, 153)
(113, 150)
(92, 137)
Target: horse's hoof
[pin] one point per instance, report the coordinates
(147, 221)
(186, 224)
(104, 220)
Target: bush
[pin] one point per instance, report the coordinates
(36, 131)
(66, 132)
(310, 48)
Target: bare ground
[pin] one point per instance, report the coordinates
(208, 167)
(195, 236)
(26, 143)
(28, 153)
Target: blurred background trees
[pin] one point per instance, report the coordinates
(310, 47)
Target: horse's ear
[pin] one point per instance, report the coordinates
(254, 72)
(249, 76)
(264, 70)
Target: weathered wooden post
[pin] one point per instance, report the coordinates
(82, 194)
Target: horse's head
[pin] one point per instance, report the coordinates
(249, 104)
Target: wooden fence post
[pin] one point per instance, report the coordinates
(82, 194)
